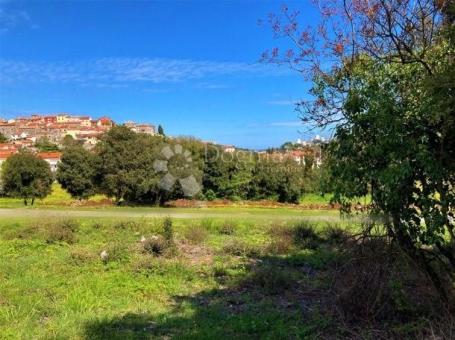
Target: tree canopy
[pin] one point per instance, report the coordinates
(389, 92)
(26, 176)
(76, 171)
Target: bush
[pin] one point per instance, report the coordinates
(196, 234)
(210, 195)
(64, 231)
(334, 234)
(155, 245)
(279, 246)
(81, 256)
(376, 282)
(168, 230)
(306, 236)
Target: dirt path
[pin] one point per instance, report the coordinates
(159, 212)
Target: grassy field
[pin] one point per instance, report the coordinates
(54, 283)
(107, 272)
(204, 278)
(59, 197)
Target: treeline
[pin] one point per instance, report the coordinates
(139, 168)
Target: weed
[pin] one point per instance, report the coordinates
(306, 236)
(125, 225)
(62, 231)
(227, 228)
(168, 230)
(240, 248)
(334, 234)
(196, 234)
(97, 225)
(377, 282)
(270, 280)
(80, 256)
(114, 252)
(155, 245)
(282, 239)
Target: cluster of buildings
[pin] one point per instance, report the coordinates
(24, 132)
(56, 127)
(9, 149)
(302, 152)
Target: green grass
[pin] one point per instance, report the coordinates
(58, 197)
(61, 290)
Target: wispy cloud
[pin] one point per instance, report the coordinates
(12, 17)
(116, 71)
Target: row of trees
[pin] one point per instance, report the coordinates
(123, 166)
(132, 167)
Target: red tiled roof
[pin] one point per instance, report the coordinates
(49, 155)
(6, 154)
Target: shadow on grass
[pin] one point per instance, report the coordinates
(277, 297)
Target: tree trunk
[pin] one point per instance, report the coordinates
(25, 201)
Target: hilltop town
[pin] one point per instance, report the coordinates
(25, 132)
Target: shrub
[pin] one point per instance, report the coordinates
(63, 231)
(155, 245)
(335, 234)
(196, 234)
(306, 236)
(168, 230)
(210, 195)
(376, 282)
(80, 256)
(279, 246)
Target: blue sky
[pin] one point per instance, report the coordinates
(191, 66)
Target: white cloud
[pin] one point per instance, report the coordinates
(127, 70)
(12, 17)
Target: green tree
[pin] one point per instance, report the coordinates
(76, 172)
(3, 138)
(26, 176)
(390, 93)
(280, 180)
(228, 175)
(127, 169)
(69, 141)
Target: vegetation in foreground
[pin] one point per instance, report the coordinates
(155, 278)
